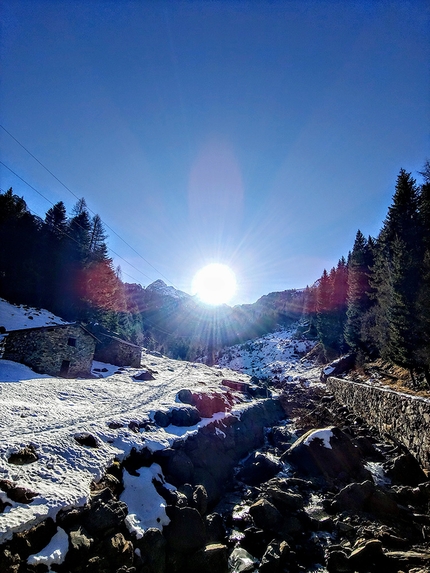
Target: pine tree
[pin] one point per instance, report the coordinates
(56, 220)
(423, 300)
(359, 291)
(396, 274)
(97, 244)
(325, 315)
(339, 303)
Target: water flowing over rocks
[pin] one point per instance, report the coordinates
(325, 493)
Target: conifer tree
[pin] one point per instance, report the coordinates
(359, 290)
(325, 314)
(423, 301)
(396, 274)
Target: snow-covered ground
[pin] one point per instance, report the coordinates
(48, 413)
(15, 317)
(278, 356)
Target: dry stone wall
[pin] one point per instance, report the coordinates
(65, 350)
(403, 417)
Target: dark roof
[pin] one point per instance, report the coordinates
(50, 327)
(119, 340)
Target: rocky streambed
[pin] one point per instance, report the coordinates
(317, 490)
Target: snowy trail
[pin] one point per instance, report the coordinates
(81, 404)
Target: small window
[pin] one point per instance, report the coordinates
(71, 342)
(64, 370)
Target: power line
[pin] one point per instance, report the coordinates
(63, 232)
(49, 201)
(74, 195)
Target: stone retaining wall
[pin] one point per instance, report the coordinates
(403, 417)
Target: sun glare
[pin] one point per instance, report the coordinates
(214, 284)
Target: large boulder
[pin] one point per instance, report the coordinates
(258, 468)
(176, 465)
(365, 497)
(212, 557)
(152, 547)
(184, 417)
(405, 470)
(327, 453)
(207, 403)
(186, 530)
(266, 516)
(338, 367)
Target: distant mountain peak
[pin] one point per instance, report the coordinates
(160, 287)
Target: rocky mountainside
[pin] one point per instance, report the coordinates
(182, 327)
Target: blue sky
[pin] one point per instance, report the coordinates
(261, 135)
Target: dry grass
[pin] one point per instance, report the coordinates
(395, 377)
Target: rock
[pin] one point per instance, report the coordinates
(240, 561)
(236, 385)
(186, 530)
(365, 497)
(406, 559)
(337, 562)
(26, 455)
(16, 493)
(144, 375)
(285, 500)
(161, 418)
(354, 496)
(213, 557)
(103, 516)
(266, 516)
(280, 437)
(275, 556)
(212, 484)
(185, 396)
(328, 453)
(293, 525)
(184, 417)
(152, 547)
(405, 470)
(80, 541)
(258, 468)
(254, 541)
(87, 439)
(367, 555)
(209, 404)
(215, 531)
(9, 562)
(338, 367)
(118, 551)
(176, 465)
(206, 403)
(34, 540)
(200, 499)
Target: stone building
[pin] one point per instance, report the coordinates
(65, 350)
(116, 351)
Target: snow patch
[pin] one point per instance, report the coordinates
(146, 507)
(323, 435)
(54, 553)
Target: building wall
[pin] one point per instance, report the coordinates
(47, 350)
(119, 353)
(404, 417)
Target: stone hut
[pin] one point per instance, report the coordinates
(65, 350)
(115, 351)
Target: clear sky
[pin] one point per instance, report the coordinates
(261, 135)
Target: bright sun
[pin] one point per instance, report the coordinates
(214, 284)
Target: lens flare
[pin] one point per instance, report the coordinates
(214, 284)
